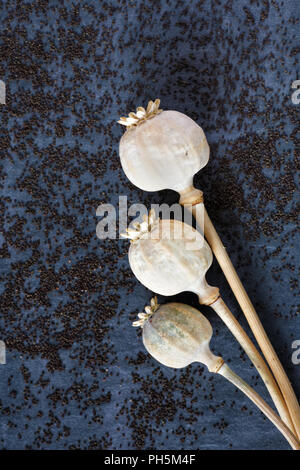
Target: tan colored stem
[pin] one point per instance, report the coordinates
(248, 309)
(254, 322)
(260, 403)
(243, 339)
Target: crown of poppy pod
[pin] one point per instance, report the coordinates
(139, 229)
(144, 316)
(141, 114)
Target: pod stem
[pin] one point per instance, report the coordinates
(254, 322)
(260, 403)
(243, 339)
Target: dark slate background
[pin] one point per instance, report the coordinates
(77, 375)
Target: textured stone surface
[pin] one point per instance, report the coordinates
(77, 375)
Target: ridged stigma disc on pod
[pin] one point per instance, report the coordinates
(170, 258)
(177, 335)
(162, 149)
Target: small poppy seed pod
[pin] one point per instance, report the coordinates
(177, 335)
(162, 149)
(171, 258)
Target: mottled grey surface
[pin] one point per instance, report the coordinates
(77, 375)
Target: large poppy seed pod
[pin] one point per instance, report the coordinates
(162, 149)
(172, 257)
(177, 335)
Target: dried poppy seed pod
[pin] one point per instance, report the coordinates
(177, 335)
(162, 149)
(170, 258)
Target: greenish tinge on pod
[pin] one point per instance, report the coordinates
(163, 152)
(177, 335)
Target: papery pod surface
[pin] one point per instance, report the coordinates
(164, 152)
(171, 258)
(177, 335)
